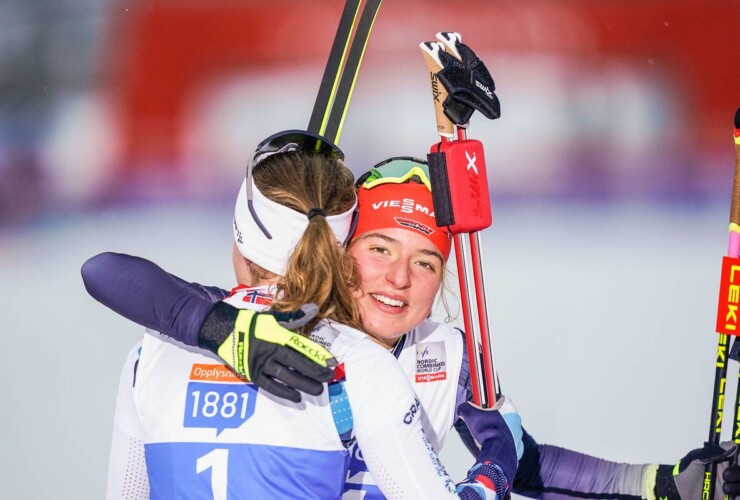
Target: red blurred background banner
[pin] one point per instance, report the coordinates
(165, 48)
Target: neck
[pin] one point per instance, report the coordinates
(386, 343)
(264, 282)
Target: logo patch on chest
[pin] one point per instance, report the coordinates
(431, 364)
(217, 398)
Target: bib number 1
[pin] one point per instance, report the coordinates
(217, 461)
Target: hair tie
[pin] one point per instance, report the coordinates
(315, 211)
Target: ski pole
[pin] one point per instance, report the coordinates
(342, 68)
(462, 207)
(735, 354)
(727, 319)
(450, 40)
(349, 75)
(333, 69)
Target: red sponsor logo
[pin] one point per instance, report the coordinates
(413, 224)
(729, 297)
(431, 377)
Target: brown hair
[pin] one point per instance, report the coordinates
(319, 269)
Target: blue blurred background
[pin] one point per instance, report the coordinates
(126, 126)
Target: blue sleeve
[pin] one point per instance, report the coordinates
(554, 473)
(146, 294)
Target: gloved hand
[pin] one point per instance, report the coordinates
(467, 80)
(260, 347)
(731, 478)
(498, 432)
(685, 480)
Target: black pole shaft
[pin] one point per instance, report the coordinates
(333, 69)
(715, 423)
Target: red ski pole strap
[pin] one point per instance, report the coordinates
(729, 297)
(457, 171)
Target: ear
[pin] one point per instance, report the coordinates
(241, 267)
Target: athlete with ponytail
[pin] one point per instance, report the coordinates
(187, 426)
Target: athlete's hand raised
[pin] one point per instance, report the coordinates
(260, 347)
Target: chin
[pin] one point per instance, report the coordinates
(384, 335)
(387, 328)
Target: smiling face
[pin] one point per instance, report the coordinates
(401, 272)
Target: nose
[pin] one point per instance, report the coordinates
(399, 275)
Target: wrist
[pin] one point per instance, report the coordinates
(665, 485)
(217, 326)
(483, 478)
(649, 475)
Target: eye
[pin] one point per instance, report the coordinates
(379, 250)
(427, 265)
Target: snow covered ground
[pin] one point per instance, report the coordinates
(602, 318)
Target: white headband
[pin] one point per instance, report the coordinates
(285, 225)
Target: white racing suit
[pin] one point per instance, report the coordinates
(207, 434)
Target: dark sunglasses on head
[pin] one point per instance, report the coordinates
(283, 142)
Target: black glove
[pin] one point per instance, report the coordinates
(731, 477)
(469, 84)
(260, 347)
(685, 480)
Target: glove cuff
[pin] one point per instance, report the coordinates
(649, 473)
(665, 485)
(217, 326)
(458, 112)
(484, 478)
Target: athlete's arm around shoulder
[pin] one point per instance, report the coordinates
(144, 293)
